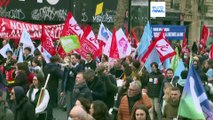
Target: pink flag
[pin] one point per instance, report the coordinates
(47, 43)
(114, 47)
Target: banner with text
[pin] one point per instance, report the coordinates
(13, 29)
(173, 32)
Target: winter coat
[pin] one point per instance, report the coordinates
(125, 113)
(55, 74)
(170, 110)
(5, 112)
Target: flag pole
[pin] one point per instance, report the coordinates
(42, 91)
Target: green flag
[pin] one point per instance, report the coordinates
(70, 43)
(175, 60)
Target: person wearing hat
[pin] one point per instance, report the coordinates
(5, 112)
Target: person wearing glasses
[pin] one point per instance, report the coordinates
(24, 109)
(34, 93)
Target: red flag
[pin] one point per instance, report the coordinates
(211, 53)
(204, 38)
(135, 42)
(61, 52)
(46, 42)
(114, 48)
(184, 41)
(99, 52)
(128, 36)
(71, 27)
(83, 27)
(162, 46)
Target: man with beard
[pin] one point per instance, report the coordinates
(171, 108)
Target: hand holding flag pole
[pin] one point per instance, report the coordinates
(41, 95)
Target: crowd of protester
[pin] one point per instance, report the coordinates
(89, 90)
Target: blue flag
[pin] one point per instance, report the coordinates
(145, 40)
(194, 103)
(153, 57)
(180, 68)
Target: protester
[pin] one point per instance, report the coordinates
(27, 56)
(131, 100)
(24, 109)
(34, 93)
(69, 77)
(141, 113)
(171, 108)
(20, 77)
(78, 113)
(80, 90)
(5, 112)
(56, 73)
(84, 103)
(90, 63)
(154, 88)
(99, 110)
(97, 87)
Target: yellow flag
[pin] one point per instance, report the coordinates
(99, 8)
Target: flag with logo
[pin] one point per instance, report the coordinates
(71, 27)
(162, 46)
(124, 47)
(5, 49)
(103, 33)
(194, 103)
(88, 43)
(26, 41)
(70, 43)
(145, 40)
(47, 42)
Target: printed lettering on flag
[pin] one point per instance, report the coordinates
(73, 25)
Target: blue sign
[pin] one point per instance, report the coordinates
(173, 32)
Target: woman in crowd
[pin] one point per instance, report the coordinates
(141, 113)
(33, 95)
(99, 110)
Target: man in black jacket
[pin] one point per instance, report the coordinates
(80, 90)
(69, 77)
(96, 86)
(56, 74)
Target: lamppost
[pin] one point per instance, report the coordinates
(129, 15)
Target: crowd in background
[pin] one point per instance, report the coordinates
(91, 90)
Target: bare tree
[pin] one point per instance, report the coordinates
(120, 13)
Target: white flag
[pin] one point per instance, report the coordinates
(5, 49)
(26, 41)
(103, 33)
(45, 54)
(20, 56)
